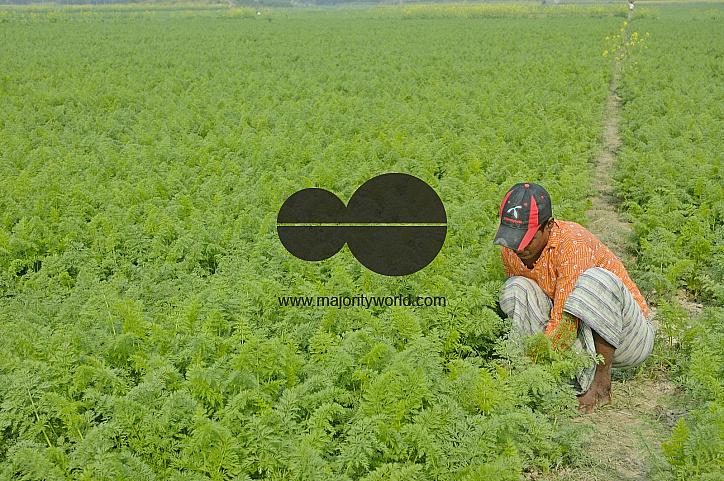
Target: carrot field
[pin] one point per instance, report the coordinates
(149, 318)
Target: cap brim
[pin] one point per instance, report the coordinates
(513, 238)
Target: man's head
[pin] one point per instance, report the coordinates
(525, 210)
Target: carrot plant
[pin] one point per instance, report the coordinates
(671, 177)
(671, 163)
(144, 161)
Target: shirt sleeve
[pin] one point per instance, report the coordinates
(574, 256)
(506, 262)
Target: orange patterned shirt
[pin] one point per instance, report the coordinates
(570, 251)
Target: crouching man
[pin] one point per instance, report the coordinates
(562, 278)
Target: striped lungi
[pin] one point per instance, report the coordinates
(601, 302)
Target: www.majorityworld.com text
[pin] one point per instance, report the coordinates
(361, 301)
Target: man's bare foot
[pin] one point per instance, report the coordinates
(596, 397)
(599, 394)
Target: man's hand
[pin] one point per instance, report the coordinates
(563, 336)
(540, 347)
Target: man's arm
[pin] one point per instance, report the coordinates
(572, 260)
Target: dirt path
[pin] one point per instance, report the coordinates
(606, 223)
(625, 439)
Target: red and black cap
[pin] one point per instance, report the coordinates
(524, 208)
